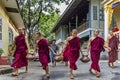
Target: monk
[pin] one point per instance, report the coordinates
(65, 54)
(66, 51)
(20, 54)
(74, 49)
(43, 51)
(113, 44)
(95, 45)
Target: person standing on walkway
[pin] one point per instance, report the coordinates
(74, 47)
(113, 44)
(95, 45)
(20, 55)
(43, 51)
(52, 55)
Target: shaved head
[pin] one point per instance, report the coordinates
(74, 32)
(96, 32)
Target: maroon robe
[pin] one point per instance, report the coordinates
(96, 48)
(113, 44)
(20, 53)
(74, 47)
(43, 51)
(66, 53)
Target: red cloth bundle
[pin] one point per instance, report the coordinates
(115, 29)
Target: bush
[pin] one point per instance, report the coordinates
(1, 51)
(10, 51)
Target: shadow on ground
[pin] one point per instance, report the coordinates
(57, 74)
(117, 76)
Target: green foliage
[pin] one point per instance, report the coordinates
(34, 11)
(47, 23)
(11, 50)
(1, 51)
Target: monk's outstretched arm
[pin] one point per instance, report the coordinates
(81, 51)
(88, 46)
(52, 50)
(106, 43)
(67, 42)
(35, 48)
(28, 48)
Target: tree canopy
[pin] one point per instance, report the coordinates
(36, 12)
(47, 23)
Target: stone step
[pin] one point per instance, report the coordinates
(5, 69)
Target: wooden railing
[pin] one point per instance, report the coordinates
(83, 27)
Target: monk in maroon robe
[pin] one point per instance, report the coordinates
(66, 51)
(20, 54)
(43, 51)
(96, 45)
(74, 49)
(65, 54)
(113, 42)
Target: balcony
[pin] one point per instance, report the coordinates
(82, 27)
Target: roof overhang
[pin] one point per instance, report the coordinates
(72, 6)
(105, 1)
(12, 11)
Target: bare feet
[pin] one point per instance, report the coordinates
(48, 75)
(113, 65)
(97, 74)
(71, 76)
(90, 70)
(14, 74)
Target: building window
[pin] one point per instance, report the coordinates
(0, 29)
(102, 14)
(0, 36)
(94, 12)
(10, 36)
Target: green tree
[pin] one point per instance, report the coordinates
(32, 11)
(47, 23)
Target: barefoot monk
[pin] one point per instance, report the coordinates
(20, 54)
(95, 45)
(74, 49)
(43, 51)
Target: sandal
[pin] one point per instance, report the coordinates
(14, 74)
(97, 74)
(47, 75)
(71, 77)
(90, 70)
